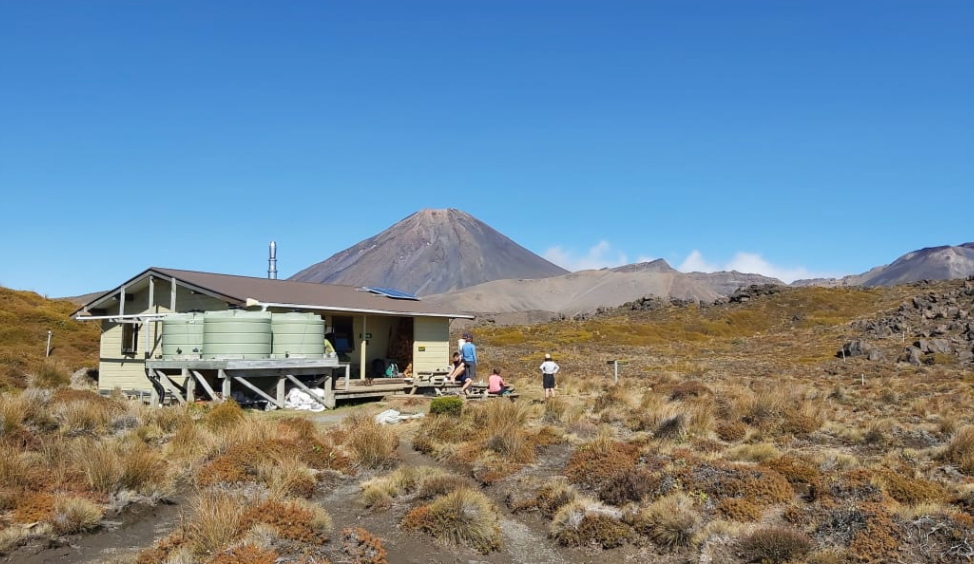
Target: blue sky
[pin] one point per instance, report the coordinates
(794, 138)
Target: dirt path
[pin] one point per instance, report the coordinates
(523, 541)
(137, 527)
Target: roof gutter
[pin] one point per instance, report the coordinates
(251, 302)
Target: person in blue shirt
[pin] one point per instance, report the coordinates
(469, 354)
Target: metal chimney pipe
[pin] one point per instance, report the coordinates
(272, 262)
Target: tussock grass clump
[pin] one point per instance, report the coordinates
(216, 522)
(287, 475)
(143, 470)
(670, 522)
(51, 374)
(75, 514)
(960, 450)
(438, 484)
(380, 491)
(775, 545)
(554, 411)
(760, 452)
(591, 528)
(100, 463)
(371, 444)
(462, 517)
(614, 396)
(671, 428)
(548, 499)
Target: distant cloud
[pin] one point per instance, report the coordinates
(747, 262)
(600, 256)
(696, 263)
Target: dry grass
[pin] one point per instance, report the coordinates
(216, 522)
(462, 517)
(75, 514)
(669, 522)
(371, 444)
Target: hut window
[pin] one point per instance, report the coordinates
(130, 338)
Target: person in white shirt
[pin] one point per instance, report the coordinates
(548, 371)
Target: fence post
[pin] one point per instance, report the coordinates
(48, 352)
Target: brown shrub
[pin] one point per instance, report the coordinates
(688, 389)
(362, 547)
(739, 509)
(594, 529)
(731, 431)
(720, 479)
(162, 549)
(775, 545)
(34, 507)
(879, 540)
(225, 415)
(246, 554)
(291, 520)
(912, 491)
(593, 463)
(632, 485)
(795, 470)
(439, 485)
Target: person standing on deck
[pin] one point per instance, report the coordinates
(469, 355)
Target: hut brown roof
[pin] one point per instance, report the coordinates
(253, 291)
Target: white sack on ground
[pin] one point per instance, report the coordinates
(300, 400)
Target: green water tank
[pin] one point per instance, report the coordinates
(298, 335)
(236, 334)
(182, 335)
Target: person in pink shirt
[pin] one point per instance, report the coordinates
(495, 384)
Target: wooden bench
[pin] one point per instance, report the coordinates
(479, 392)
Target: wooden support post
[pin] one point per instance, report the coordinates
(206, 385)
(226, 384)
(328, 401)
(363, 344)
(190, 385)
(259, 391)
(281, 389)
(154, 399)
(170, 387)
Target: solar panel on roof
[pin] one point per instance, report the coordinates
(390, 293)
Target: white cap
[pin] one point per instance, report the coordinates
(547, 356)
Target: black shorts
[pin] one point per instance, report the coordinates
(471, 370)
(548, 381)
